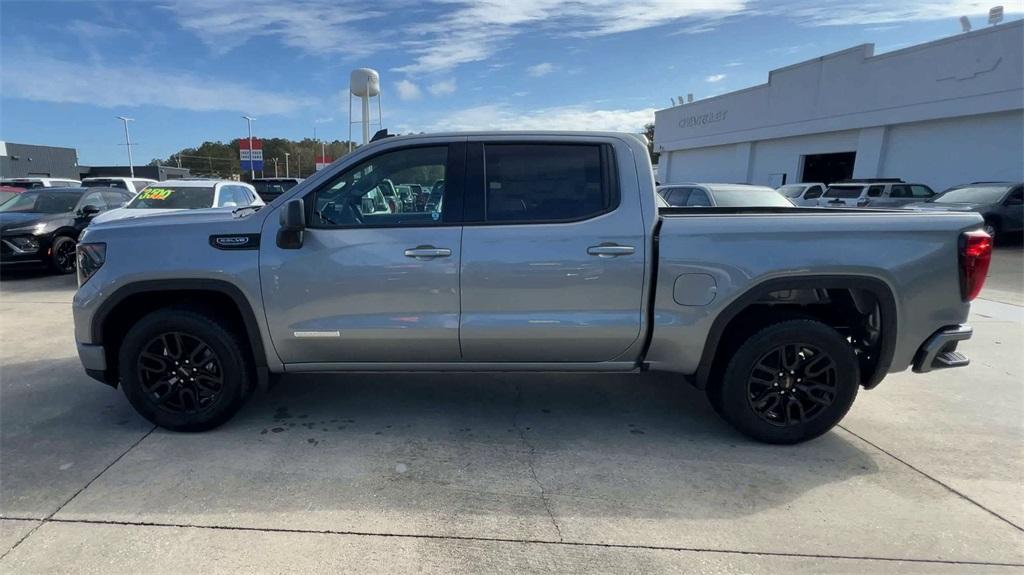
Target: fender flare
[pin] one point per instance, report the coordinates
(877, 287)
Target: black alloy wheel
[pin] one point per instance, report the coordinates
(180, 373)
(63, 255)
(792, 384)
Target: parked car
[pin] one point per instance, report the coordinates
(33, 182)
(133, 185)
(554, 257)
(8, 192)
(269, 188)
(41, 225)
(805, 194)
(174, 195)
(1001, 204)
(722, 195)
(874, 193)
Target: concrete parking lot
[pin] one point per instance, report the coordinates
(468, 473)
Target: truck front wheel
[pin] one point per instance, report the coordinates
(184, 370)
(790, 382)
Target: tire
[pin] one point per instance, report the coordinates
(62, 255)
(168, 345)
(992, 229)
(790, 382)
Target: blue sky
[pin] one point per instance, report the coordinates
(187, 70)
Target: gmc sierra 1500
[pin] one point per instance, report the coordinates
(544, 251)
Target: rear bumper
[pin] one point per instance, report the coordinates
(939, 350)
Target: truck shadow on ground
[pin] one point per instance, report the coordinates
(336, 451)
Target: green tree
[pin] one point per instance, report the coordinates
(649, 132)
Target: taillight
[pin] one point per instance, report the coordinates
(975, 256)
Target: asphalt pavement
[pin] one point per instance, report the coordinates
(469, 473)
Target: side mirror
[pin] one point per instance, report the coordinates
(89, 211)
(293, 224)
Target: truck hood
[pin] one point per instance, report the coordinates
(119, 217)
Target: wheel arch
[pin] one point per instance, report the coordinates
(753, 303)
(130, 302)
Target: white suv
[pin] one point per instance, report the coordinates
(878, 193)
(31, 183)
(133, 185)
(177, 195)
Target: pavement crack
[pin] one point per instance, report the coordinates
(531, 455)
(948, 487)
(49, 518)
(527, 541)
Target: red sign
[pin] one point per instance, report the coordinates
(323, 161)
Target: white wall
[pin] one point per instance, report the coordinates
(944, 153)
(784, 155)
(979, 72)
(717, 164)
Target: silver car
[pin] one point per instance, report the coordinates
(722, 196)
(874, 194)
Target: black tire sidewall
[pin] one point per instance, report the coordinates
(58, 241)
(735, 406)
(220, 338)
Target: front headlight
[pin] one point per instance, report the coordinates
(90, 258)
(34, 229)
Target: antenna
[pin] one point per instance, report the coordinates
(965, 24)
(995, 15)
(365, 84)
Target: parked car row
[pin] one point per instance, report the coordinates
(41, 223)
(1001, 204)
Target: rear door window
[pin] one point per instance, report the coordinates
(921, 191)
(900, 191)
(875, 191)
(546, 182)
(813, 192)
(698, 198)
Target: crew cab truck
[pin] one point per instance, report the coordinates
(546, 252)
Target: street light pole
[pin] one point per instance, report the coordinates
(252, 165)
(275, 166)
(286, 174)
(128, 144)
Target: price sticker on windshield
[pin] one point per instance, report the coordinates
(155, 194)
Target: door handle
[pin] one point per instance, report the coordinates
(610, 250)
(427, 252)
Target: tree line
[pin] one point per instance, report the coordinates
(221, 160)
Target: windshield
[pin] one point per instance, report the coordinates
(748, 197)
(845, 192)
(105, 184)
(172, 198)
(973, 195)
(5, 195)
(791, 191)
(42, 202)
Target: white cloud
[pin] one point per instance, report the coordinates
(315, 26)
(407, 90)
(476, 29)
(847, 13)
(734, 64)
(542, 69)
(47, 79)
(504, 117)
(442, 88)
(715, 78)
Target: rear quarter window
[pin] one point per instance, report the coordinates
(844, 192)
(547, 182)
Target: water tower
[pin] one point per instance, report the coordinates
(364, 83)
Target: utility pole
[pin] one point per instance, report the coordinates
(286, 174)
(275, 166)
(252, 165)
(128, 144)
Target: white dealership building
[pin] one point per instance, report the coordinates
(941, 113)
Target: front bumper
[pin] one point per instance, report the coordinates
(12, 252)
(94, 360)
(939, 350)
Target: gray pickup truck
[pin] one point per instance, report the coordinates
(543, 252)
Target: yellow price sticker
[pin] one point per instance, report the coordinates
(155, 194)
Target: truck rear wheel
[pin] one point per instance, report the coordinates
(790, 382)
(184, 370)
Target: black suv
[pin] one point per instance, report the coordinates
(42, 225)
